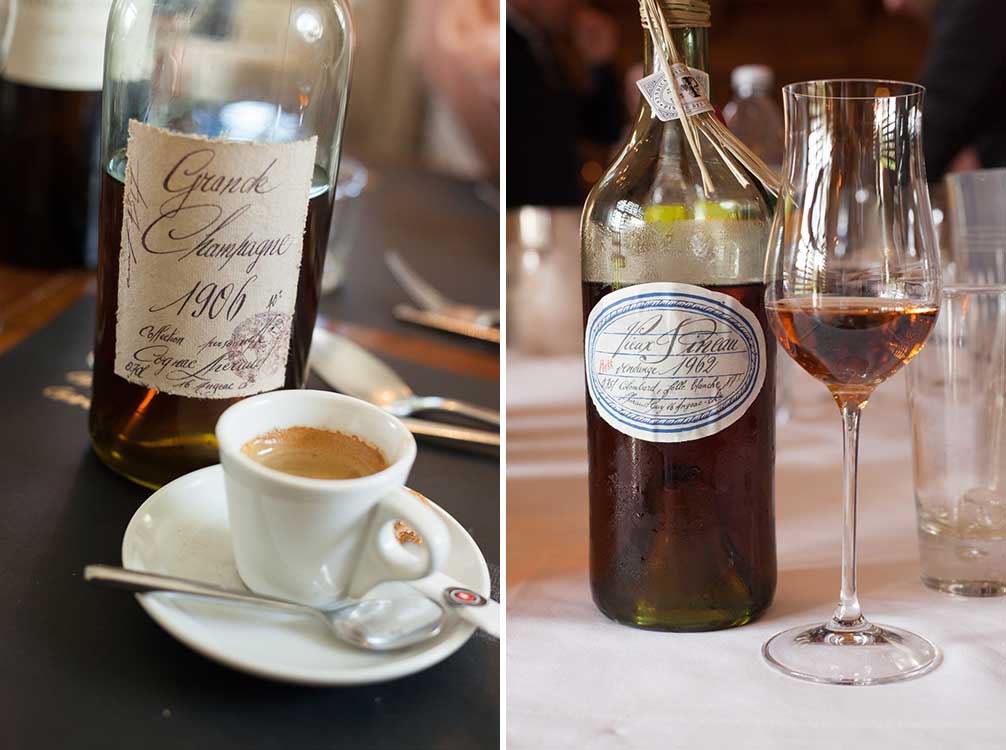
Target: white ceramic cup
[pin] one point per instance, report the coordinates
(318, 541)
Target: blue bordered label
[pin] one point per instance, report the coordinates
(671, 362)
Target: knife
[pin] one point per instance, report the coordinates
(441, 322)
(351, 369)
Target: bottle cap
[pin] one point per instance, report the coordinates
(748, 79)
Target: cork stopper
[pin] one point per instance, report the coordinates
(682, 14)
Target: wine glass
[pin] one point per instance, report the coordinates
(852, 292)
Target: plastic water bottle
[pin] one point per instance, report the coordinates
(753, 114)
(755, 117)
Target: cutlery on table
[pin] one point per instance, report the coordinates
(431, 300)
(451, 432)
(351, 369)
(410, 314)
(372, 624)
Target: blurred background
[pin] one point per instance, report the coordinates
(426, 85)
(589, 54)
(424, 108)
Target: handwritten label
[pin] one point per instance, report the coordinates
(212, 238)
(668, 362)
(693, 85)
(58, 44)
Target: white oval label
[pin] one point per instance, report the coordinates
(668, 363)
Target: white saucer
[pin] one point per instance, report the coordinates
(182, 530)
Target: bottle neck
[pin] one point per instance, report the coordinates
(693, 46)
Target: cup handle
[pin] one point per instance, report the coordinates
(385, 558)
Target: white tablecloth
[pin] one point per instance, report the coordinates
(577, 680)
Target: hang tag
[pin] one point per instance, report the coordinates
(692, 86)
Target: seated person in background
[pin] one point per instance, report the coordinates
(459, 54)
(426, 86)
(547, 113)
(965, 78)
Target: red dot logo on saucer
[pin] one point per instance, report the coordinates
(457, 595)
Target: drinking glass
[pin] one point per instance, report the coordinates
(8, 11)
(349, 187)
(978, 225)
(957, 401)
(852, 291)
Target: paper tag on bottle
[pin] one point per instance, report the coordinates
(212, 240)
(58, 44)
(693, 85)
(669, 363)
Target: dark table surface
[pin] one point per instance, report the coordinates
(82, 667)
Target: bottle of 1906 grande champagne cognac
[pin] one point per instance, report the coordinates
(680, 374)
(221, 133)
(50, 111)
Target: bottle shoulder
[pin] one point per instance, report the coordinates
(759, 110)
(645, 175)
(649, 218)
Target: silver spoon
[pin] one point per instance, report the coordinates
(353, 370)
(372, 624)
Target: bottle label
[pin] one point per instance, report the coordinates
(58, 44)
(692, 87)
(669, 363)
(212, 239)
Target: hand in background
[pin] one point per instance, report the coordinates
(458, 50)
(919, 8)
(595, 35)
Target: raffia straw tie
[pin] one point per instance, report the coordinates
(659, 17)
(681, 14)
(661, 35)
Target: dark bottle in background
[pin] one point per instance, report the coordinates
(50, 116)
(681, 379)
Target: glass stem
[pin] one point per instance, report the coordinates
(848, 615)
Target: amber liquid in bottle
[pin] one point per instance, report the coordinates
(153, 437)
(682, 528)
(683, 534)
(851, 344)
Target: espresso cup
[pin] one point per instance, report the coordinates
(319, 541)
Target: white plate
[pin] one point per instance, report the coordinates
(182, 530)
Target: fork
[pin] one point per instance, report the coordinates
(428, 298)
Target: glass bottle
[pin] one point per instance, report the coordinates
(221, 132)
(753, 114)
(50, 112)
(680, 374)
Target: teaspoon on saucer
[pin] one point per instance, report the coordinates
(372, 624)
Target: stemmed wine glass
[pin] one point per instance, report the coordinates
(852, 292)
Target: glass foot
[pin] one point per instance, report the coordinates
(869, 655)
